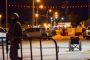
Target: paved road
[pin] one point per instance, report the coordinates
(49, 51)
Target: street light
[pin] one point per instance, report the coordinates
(33, 6)
(0, 19)
(56, 13)
(55, 17)
(36, 16)
(51, 21)
(50, 10)
(0, 15)
(47, 14)
(62, 18)
(41, 6)
(37, 0)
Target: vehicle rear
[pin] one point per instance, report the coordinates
(88, 32)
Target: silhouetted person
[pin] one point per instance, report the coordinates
(84, 31)
(63, 31)
(15, 36)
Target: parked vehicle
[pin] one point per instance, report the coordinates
(48, 32)
(43, 32)
(36, 32)
(32, 32)
(88, 32)
(2, 34)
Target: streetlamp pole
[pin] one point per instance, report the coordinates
(0, 19)
(55, 17)
(47, 13)
(66, 11)
(33, 10)
(51, 22)
(7, 15)
(47, 16)
(54, 22)
(36, 16)
(33, 19)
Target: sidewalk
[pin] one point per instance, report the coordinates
(49, 51)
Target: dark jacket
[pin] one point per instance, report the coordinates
(15, 33)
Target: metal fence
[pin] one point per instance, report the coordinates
(31, 53)
(3, 54)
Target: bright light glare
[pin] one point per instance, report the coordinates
(45, 24)
(62, 18)
(50, 10)
(65, 26)
(36, 15)
(41, 6)
(0, 15)
(56, 13)
(37, 0)
(51, 18)
(49, 25)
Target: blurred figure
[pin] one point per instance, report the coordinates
(15, 36)
(63, 31)
(84, 32)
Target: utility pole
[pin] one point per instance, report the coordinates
(7, 15)
(66, 11)
(33, 12)
(88, 8)
(0, 20)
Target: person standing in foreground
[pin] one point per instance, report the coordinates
(15, 36)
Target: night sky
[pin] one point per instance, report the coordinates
(26, 13)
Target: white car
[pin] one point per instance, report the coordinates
(88, 32)
(2, 34)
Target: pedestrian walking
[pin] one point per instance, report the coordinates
(15, 36)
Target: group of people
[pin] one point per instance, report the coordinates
(14, 35)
